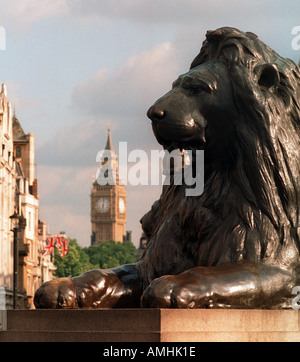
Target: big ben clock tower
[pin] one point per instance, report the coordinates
(108, 201)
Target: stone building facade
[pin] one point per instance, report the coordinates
(18, 191)
(7, 193)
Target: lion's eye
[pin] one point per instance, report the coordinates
(195, 86)
(198, 90)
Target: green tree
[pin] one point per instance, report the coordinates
(74, 263)
(106, 255)
(110, 254)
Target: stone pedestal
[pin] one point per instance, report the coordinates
(151, 325)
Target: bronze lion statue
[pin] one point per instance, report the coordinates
(237, 244)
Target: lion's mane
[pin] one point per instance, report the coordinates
(250, 207)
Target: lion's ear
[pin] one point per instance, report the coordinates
(268, 76)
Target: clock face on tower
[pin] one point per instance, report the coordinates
(103, 204)
(121, 205)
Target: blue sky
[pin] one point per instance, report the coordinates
(72, 66)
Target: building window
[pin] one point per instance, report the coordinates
(18, 152)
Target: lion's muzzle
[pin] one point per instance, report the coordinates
(176, 120)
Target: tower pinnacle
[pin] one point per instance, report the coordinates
(109, 145)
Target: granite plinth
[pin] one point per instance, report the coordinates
(151, 325)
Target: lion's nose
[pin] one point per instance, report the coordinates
(156, 114)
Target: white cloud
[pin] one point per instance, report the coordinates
(36, 9)
(130, 88)
(71, 145)
(21, 14)
(174, 11)
(18, 101)
(154, 11)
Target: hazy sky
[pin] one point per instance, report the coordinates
(72, 66)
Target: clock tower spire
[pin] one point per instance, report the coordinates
(108, 201)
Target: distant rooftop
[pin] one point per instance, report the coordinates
(18, 132)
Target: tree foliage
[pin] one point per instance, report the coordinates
(106, 255)
(111, 254)
(74, 263)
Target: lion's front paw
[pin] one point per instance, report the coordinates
(177, 291)
(158, 293)
(59, 293)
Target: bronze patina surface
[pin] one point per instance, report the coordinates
(237, 244)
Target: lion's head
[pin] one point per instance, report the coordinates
(240, 103)
(235, 85)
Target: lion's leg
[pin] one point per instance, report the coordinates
(117, 287)
(241, 285)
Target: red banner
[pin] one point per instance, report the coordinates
(50, 244)
(61, 242)
(62, 245)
